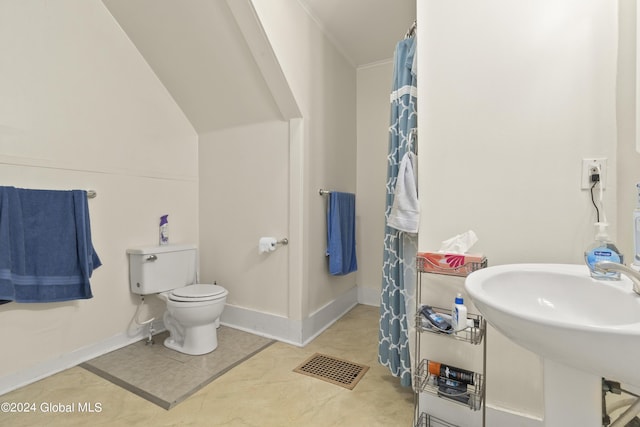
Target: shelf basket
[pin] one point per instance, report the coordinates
(427, 382)
(472, 335)
(427, 420)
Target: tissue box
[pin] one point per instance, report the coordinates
(449, 263)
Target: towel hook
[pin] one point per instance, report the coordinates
(413, 141)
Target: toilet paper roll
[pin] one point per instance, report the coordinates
(267, 244)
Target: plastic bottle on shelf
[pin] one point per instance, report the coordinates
(459, 314)
(436, 319)
(451, 372)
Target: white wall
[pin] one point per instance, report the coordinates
(244, 183)
(373, 112)
(512, 95)
(628, 157)
(324, 86)
(79, 108)
(198, 53)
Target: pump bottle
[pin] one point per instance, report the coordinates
(602, 249)
(636, 229)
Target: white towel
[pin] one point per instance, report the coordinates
(405, 212)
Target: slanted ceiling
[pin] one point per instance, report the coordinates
(366, 31)
(197, 51)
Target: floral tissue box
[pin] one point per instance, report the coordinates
(449, 263)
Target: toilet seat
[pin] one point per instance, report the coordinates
(198, 293)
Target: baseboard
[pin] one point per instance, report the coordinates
(458, 415)
(326, 316)
(369, 296)
(295, 332)
(500, 417)
(264, 324)
(69, 360)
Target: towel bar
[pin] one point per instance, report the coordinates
(92, 194)
(324, 192)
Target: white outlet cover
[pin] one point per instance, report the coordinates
(587, 165)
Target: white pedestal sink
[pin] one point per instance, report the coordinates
(584, 329)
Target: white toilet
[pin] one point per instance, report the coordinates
(193, 310)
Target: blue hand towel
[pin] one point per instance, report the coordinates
(341, 233)
(46, 253)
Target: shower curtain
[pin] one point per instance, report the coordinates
(397, 308)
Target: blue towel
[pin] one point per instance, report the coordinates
(46, 253)
(341, 233)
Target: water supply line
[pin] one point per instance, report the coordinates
(138, 322)
(620, 404)
(146, 322)
(150, 336)
(627, 415)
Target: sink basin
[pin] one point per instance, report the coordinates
(561, 313)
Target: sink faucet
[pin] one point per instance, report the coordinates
(608, 266)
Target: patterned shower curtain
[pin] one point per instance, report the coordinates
(397, 308)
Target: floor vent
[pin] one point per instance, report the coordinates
(333, 370)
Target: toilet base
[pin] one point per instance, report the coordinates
(197, 340)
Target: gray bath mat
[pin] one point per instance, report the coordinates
(166, 377)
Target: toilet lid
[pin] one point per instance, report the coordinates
(198, 293)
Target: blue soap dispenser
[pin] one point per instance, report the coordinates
(636, 229)
(603, 249)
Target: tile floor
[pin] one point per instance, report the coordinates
(263, 391)
(135, 366)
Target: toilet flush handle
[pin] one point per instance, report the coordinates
(151, 258)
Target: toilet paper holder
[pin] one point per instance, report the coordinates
(283, 241)
(270, 244)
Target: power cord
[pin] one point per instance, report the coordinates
(595, 178)
(594, 202)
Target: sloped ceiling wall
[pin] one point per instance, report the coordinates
(365, 31)
(197, 51)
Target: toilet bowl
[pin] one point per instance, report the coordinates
(193, 310)
(192, 317)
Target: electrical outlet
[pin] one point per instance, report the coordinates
(591, 166)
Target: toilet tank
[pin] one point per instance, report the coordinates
(155, 269)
